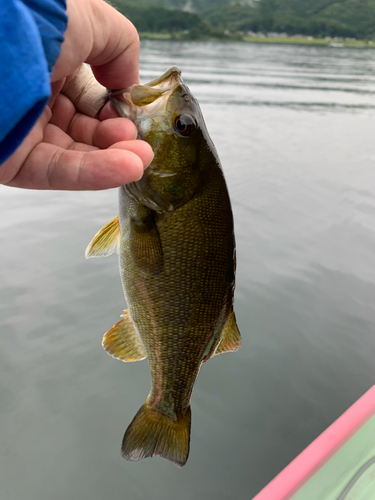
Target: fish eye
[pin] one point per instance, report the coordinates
(184, 125)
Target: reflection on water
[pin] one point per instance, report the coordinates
(294, 130)
(286, 76)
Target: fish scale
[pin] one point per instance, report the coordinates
(177, 263)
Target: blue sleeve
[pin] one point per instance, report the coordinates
(32, 33)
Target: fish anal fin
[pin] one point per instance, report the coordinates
(230, 338)
(106, 241)
(122, 341)
(152, 433)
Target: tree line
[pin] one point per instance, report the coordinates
(318, 18)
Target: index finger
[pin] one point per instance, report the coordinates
(102, 37)
(114, 61)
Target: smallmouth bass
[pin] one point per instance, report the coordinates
(175, 240)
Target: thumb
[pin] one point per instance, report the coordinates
(87, 95)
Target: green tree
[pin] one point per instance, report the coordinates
(345, 18)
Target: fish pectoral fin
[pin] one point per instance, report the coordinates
(122, 341)
(145, 244)
(230, 338)
(106, 241)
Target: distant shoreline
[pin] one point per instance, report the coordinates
(334, 43)
(315, 41)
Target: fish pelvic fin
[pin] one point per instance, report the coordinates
(122, 341)
(230, 340)
(153, 433)
(106, 241)
(145, 244)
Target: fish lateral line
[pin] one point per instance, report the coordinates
(175, 240)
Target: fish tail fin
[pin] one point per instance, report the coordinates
(153, 433)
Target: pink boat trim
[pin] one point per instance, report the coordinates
(307, 463)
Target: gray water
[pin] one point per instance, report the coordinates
(294, 128)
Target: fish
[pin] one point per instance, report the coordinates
(174, 236)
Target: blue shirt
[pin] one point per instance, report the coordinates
(31, 34)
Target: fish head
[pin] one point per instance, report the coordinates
(168, 117)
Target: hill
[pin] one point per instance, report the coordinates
(211, 18)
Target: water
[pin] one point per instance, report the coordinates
(294, 128)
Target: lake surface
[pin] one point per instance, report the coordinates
(294, 128)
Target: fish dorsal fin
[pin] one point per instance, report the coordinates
(230, 338)
(106, 241)
(122, 341)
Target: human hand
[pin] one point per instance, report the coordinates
(69, 150)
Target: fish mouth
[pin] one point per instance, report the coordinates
(170, 78)
(128, 101)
